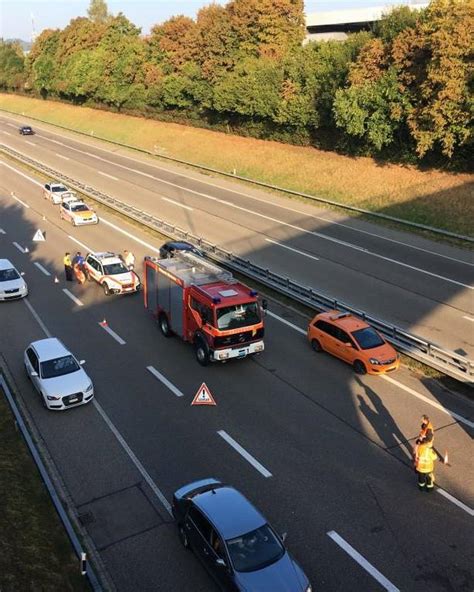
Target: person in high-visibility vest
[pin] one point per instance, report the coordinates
(424, 466)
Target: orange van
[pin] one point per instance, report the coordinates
(351, 339)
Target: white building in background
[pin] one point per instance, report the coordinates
(336, 24)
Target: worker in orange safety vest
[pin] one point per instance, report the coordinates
(424, 466)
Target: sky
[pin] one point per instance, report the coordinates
(16, 22)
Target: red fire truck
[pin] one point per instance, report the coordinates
(204, 305)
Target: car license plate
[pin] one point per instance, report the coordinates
(73, 400)
(242, 353)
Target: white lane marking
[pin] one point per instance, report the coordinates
(252, 197)
(138, 240)
(2, 231)
(81, 244)
(30, 143)
(37, 318)
(22, 174)
(165, 381)
(269, 240)
(11, 125)
(6, 133)
(72, 297)
(113, 429)
(469, 319)
(62, 156)
(455, 501)
(176, 203)
(41, 268)
(428, 401)
(285, 322)
(19, 247)
(25, 205)
(108, 176)
(153, 486)
(248, 457)
(369, 568)
(112, 333)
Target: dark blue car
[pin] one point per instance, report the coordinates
(169, 249)
(233, 540)
(26, 130)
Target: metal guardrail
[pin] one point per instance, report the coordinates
(322, 200)
(429, 353)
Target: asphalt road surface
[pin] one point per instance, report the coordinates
(422, 286)
(335, 447)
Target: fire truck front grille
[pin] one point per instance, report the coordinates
(238, 338)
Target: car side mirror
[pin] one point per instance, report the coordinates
(82, 362)
(22, 273)
(283, 536)
(348, 344)
(34, 373)
(220, 562)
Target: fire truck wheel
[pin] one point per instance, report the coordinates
(164, 325)
(202, 353)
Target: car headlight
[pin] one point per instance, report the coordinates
(374, 361)
(53, 398)
(89, 388)
(223, 355)
(258, 348)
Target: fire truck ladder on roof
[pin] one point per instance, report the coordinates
(192, 269)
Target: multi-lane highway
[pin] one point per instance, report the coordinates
(334, 447)
(424, 287)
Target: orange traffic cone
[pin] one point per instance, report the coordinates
(445, 461)
(103, 323)
(27, 250)
(56, 281)
(44, 217)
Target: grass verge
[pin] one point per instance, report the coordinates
(436, 198)
(35, 553)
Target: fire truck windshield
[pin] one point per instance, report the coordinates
(239, 315)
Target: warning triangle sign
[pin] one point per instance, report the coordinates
(203, 396)
(39, 236)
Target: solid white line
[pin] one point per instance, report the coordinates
(2, 231)
(113, 429)
(25, 205)
(6, 133)
(469, 319)
(165, 381)
(112, 333)
(41, 268)
(176, 203)
(19, 247)
(455, 501)
(72, 297)
(81, 244)
(428, 401)
(381, 579)
(22, 174)
(37, 318)
(138, 240)
(109, 176)
(269, 240)
(285, 322)
(133, 458)
(248, 457)
(30, 143)
(62, 156)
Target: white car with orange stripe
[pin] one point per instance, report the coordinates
(109, 270)
(78, 213)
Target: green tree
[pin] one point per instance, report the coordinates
(396, 21)
(12, 66)
(41, 62)
(98, 11)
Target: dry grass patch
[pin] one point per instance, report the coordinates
(434, 197)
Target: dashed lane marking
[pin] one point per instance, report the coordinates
(19, 247)
(165, 381)
(248, 457)
(41, 268)
(369, 568)
(30, 143)
(469, 319)
(108, 176)
(72, 297)
(274, 242)
(112, 333)
(2, 231)
(61, 156)
(176, 203)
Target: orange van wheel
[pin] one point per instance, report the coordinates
(316, 346)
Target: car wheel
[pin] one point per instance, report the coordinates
(107, 292)
(27, 373)
(183, 537)
(359, 367)
(202, 353)
(74, 222)
(43, 401)
(164, 325)
(316, 346)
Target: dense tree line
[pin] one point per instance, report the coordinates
(403, 90)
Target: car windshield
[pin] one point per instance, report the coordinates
(114, 269)
(6, 275)
(79, 208)
(367, 338)
(239, 315)
(58, 188)
(59, 367)
(255, 550)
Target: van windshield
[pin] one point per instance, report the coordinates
(238, 315)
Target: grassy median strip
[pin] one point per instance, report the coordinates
(432, 197)
(35, 553)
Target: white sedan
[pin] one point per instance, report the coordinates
(78, 213)
(56, 374)
(12, 285)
